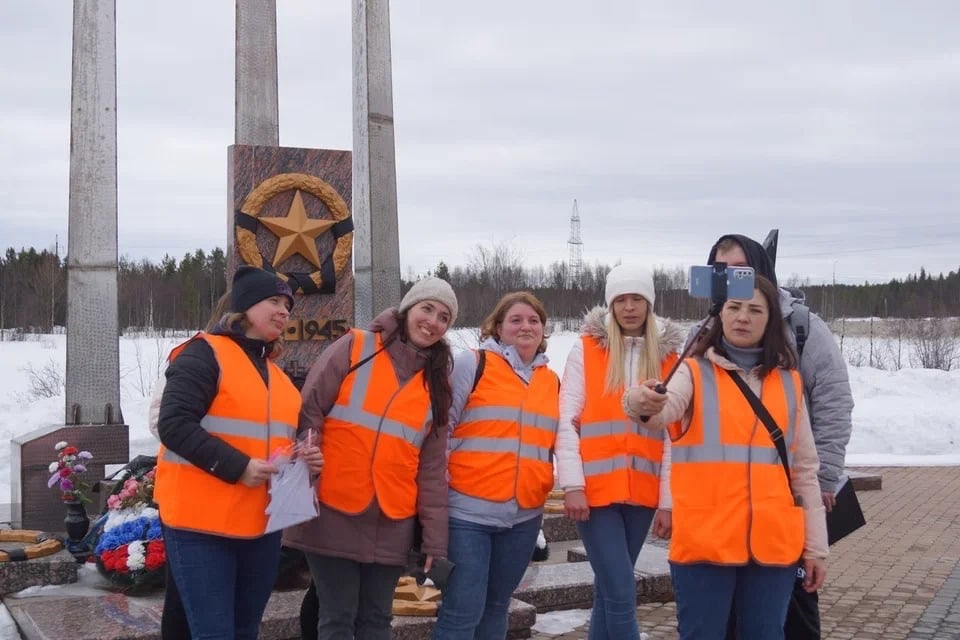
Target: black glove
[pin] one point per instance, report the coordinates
(439, 571)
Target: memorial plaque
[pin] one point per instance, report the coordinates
(290, 212)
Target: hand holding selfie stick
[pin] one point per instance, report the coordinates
(702, 331)
(718, 296)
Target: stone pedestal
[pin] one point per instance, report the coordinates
(34, 505)
(57, 568)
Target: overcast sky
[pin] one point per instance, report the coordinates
(670, 122)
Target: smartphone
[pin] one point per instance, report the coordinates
(720, 282)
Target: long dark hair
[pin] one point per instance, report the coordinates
(777, 351)
(436, 375)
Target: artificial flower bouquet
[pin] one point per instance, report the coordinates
(130, 550)
(66, 470)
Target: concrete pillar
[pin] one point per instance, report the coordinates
(377, 242)
(257, 112)
(93, 352)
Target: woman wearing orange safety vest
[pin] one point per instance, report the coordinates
(615, 471)
(226, 408)
(740, 524)
(379, 400)
(504, 420)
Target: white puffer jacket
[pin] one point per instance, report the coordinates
(572, 391)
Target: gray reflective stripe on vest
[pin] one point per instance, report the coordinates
(791, 394)
(527, 420)
(712, 450)
(233, 427)
(372, 421)
(608, 465)
(375, 422)
(596, 429)
(282, 430)
(535, 452)
(361, 380)
(511, 414)
(501, 445)
(220, 426)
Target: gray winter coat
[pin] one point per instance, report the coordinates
(826, 387)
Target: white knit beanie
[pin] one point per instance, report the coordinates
(628, 278)
(431, 288)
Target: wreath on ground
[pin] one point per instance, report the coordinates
(129, 550)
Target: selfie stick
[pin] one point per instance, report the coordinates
(718, 296)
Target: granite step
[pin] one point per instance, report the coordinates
(115, 616)
(865, 480)
(552, 587)
(57, 568)
(558, 527)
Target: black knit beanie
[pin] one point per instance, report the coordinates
(251, 285)
(756, 255)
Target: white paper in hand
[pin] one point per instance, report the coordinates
(292, 497)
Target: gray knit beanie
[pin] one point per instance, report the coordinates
(431, 288)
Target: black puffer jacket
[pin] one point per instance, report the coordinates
(192, 382)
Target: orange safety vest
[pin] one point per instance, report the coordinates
(373, 434)
(621, 458)
(732, 502)
(502, 447)
(254, 418)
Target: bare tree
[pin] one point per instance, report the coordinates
(499, 266)
(935, 343)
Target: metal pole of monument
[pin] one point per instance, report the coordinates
(93, 350)
(376, 248)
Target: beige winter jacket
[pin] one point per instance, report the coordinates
(803, 469)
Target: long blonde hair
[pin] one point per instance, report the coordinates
(650, 357)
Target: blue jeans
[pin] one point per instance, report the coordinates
(224, 583)
(355, 598)
(613, 537)
(490, 562)
(704, 593)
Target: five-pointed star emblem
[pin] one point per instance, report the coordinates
(297, 233)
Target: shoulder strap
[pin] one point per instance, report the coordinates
(775, 433)
(481, 363)
(372, 355)
(800, 324)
